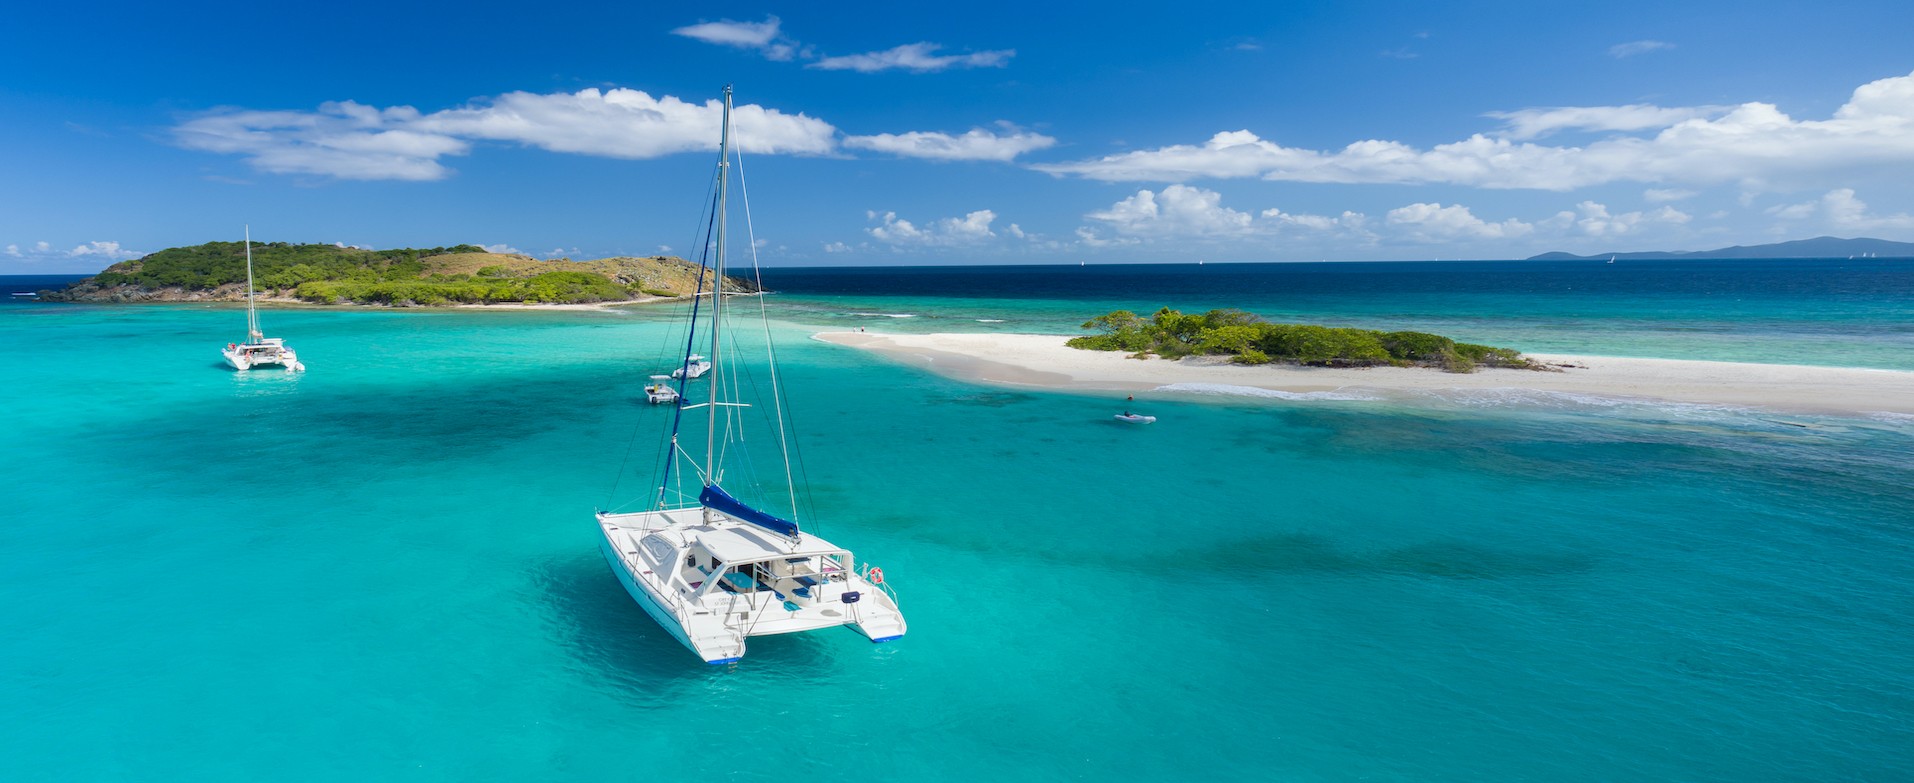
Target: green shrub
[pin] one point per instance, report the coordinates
(1231, 339)
(1417, 346)
(1455, 362)
(1171, 334)
(1493, 357)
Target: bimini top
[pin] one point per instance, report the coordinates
(715, 498)
(737, 544)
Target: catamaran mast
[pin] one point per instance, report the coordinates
(253, 334)
(717, 294)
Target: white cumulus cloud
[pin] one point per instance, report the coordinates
(1755, 144)
(976, 144)
(342, 139)
(1535, 123)
(1178, 211)
(1353, 221)
(625, 123)
(917, 57)
(768, 38)
(349, 140)
(13, 250)
(503, 249)
(973, 228)
(1843, 211)
(1593, 219)
(107, 250)
(764, 37)
(1432, 221)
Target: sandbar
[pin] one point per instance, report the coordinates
(1043, 361)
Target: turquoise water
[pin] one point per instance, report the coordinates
(385, 568)
(1845, 313)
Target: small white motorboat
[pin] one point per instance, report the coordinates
(1133, 418)
(694, 366)
(660, 391)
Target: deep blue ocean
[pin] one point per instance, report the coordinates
(386, 567)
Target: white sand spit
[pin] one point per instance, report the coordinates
(1044, 361)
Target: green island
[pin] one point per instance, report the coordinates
(1248, 339)
(404, 277)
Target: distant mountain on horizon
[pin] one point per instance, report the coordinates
(1818, 247)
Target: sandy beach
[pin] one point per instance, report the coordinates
(1028, 360)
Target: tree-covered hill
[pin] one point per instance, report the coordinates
(331, 274)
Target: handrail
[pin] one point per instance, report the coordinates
(863, 573)
(885, 586)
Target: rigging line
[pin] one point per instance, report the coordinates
(694, 464)
(785, 425)
(678, 413)
(764, 318)
(668, 438)
(661, 454)
(749, 379)
(689, 316)
(785, 416)
(631, 444)
(743, 377)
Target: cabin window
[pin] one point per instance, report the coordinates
(661, 551)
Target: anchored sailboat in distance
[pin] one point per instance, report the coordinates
(258, 349)
(712, 570)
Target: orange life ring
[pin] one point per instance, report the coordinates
(875, 575)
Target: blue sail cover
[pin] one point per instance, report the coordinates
(716, 499)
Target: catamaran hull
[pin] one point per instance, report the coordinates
(651, 605)
(238, 361)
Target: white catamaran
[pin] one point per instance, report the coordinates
(258, 349)
(715, 571)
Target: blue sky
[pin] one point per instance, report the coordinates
(986, 133)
